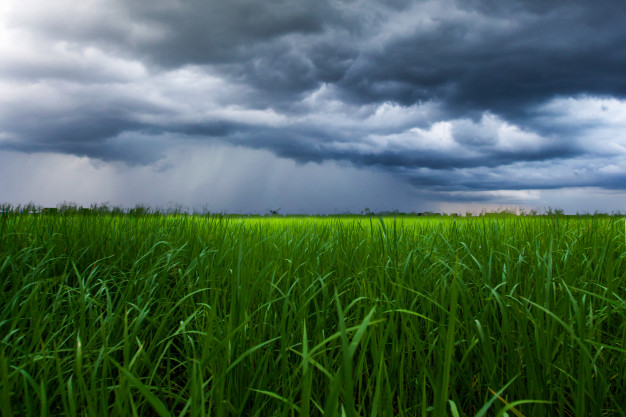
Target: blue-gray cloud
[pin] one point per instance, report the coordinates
(447, 95)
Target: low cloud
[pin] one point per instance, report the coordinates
(200, 177)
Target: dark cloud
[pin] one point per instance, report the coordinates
(210, 31)
(504, 59)
(504, 56)
(447, 95)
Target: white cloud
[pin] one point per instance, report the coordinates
(597, 123)
(587, 109)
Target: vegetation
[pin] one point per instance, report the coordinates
(115, 313)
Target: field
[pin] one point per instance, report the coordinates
(106, 314)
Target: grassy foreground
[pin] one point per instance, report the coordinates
(116, 315)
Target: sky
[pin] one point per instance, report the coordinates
(314, 106)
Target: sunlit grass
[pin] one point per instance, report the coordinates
(117, 314)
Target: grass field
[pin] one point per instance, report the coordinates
(114, 315)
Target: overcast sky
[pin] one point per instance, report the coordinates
(317, 106)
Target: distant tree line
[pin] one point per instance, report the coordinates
(144, 210)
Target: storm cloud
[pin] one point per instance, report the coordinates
(455, 100)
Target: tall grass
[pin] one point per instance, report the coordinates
(111, 314)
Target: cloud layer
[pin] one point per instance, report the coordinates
(451, 98)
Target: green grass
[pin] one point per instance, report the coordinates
(116, 315)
